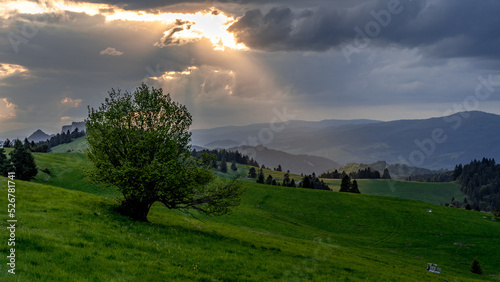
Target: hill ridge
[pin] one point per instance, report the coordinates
(433, 143)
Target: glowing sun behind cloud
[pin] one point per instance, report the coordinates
(185, 28)
(181, 28)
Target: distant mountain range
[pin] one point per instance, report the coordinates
(231, 136)
(80, 125)
(307, 146)
(38, 136)
(433, 143)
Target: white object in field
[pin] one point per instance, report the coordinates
(432, 267)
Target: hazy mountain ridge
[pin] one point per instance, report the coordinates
(38, 136)
(245, 133)
(221, 144)
(80, 125)
(433, 143)
(39, 133)
(295, 163)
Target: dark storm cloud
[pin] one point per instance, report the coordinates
(63, 61)
(425, 57)
(443, 28)
(313, 29)
(156, 4)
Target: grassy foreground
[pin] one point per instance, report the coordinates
(276, 234)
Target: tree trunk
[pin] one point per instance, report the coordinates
(136, 209)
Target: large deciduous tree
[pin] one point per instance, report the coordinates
(138, 142)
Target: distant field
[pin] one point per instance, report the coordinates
(436, 193)
(77, 145)
(67, 170)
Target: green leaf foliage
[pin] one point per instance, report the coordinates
(139, 143)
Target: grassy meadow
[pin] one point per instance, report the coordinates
(67, 230)
(78, 145)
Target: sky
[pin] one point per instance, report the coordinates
(241, 62)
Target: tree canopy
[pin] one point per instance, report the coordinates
(23, 162)
(5, 165)
(349, 186)
(138, 142)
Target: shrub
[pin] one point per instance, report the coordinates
(475, 267)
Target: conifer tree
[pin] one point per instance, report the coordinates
(306, 182)
(354, 188)
(223, 165)
(23, 162)
(7, 143)
(5, 165)
(33, 146)
(261, 178)
(286, 180)
(233, 166)
(252, 173)
(345, 185)
(476, 267)
(269, 180)
(26, 144)
(386, 174)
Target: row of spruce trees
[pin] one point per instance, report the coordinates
(216, 157)
(480, 181)
(308, 181)
(366, 173)
(20, 161)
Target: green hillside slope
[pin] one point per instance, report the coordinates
(276, 233)
(436, 193)
(67, 170)
(77, 145)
